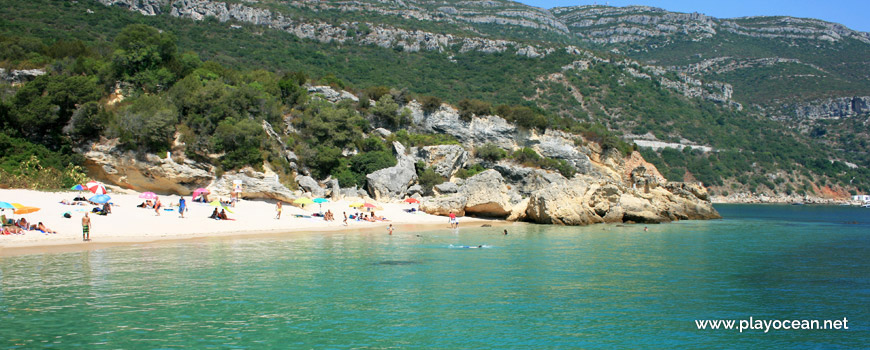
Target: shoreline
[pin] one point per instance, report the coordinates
(782, 200)
(130, 225)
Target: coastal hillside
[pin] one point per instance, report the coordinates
(530, 67)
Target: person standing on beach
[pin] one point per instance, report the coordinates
(182, 206)
(278, 210)
(390, 229)
(345, 217)
(453, 222)
(157, 206)
(86, 227)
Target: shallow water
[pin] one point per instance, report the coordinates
(601, 286)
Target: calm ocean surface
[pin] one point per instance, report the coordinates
(603, 286)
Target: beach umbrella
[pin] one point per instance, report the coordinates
(77, 188)
(356, 205)
(18, 205)
(370, 207)
(96, 187)
(320, 202)
(411, 200)
(148, 195)
(220, 205)
(100, 198)
(303, 200)
(5, 205)
(26, 210)
(199, 191)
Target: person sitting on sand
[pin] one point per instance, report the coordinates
(107, 208)
(12, 229)
(42, 228)
(22, 223)
(223, 215)
(215, 215)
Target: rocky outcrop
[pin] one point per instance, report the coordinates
(331, 95)
(19, 76)
(308, 184)
(446, 188)
(446, 160)
(834, 108)
(478, 131)
(105, 161)
(584, 201)
(255, 185)
(526, 180)
(444, 205)
(394, 181)
(485, 194)
(145, 7)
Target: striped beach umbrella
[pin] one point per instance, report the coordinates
(96, 187)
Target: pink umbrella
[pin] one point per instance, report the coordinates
(96, 187)
(148, 195)
(199, 191)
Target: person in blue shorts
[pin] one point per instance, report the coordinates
(182, 206)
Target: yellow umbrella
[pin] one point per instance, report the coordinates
(26, 210)
(356, 205)
(18, 205)
(303, 200)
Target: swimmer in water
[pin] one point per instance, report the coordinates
(505, 232)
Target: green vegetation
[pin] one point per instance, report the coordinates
(427, 177)
(224, 90)
(528, 157)
(490, 152)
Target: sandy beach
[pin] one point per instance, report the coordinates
(130, 224)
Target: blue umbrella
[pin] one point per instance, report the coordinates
(4, 205)
(320, 202)
(100, 198)
(78, 188)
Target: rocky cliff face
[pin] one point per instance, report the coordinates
(833, 108)
(612, 25)
(105, 161)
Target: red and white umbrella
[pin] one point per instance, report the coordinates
(96, 187)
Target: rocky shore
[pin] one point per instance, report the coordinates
(607, 188)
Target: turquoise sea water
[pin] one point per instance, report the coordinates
(603, 286)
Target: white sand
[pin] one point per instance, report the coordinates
(128, 223)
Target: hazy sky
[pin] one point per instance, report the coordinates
(854, 14)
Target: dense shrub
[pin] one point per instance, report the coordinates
(490, 152)
(471, 107)
(427, 177)
(430, 104)
(465, 173)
